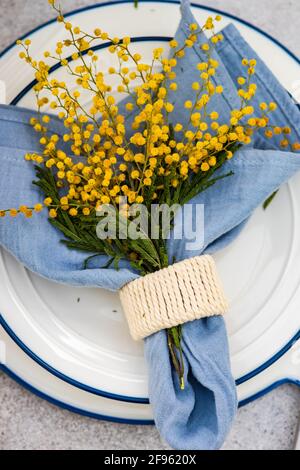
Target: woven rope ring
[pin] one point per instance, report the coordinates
(183, 292)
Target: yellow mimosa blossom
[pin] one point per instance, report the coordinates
(135, 150)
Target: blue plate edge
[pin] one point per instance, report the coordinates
(112, 419)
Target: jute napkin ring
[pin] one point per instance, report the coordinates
(183, 292)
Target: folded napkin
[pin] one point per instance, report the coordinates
(200, 416)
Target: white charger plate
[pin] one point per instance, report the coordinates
(86, 342)
(18, 365)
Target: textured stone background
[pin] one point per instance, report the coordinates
(27, 422)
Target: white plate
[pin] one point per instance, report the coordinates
(35, 378)
(86, 342)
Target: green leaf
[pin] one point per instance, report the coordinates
(148, 246)
(81, 246)
(145, 255)
(270, 200)
(65, 230)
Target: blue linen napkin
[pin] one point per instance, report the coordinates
(200, 416)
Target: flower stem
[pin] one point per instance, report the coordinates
(176, 353)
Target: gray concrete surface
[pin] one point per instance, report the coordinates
(27, 422)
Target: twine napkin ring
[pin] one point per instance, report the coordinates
(183, 292)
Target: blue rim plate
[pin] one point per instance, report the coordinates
(111, 419)
(71, 408)
(17, 340)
